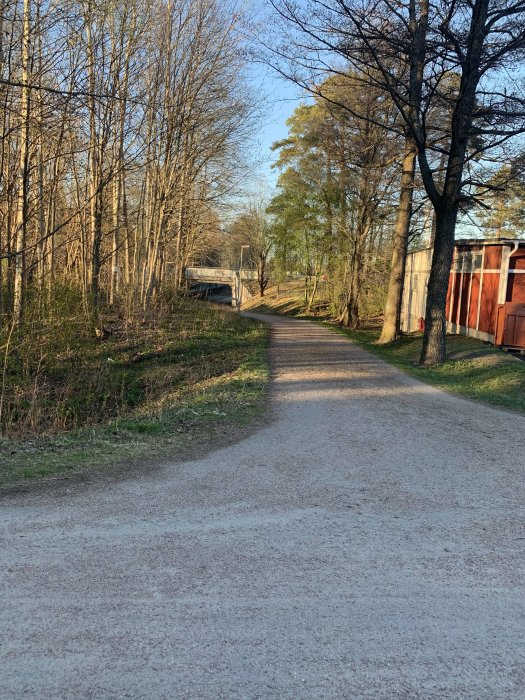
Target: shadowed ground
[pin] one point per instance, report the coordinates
(368, 543)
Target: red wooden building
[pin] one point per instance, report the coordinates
(486, 291)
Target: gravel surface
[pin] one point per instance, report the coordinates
(367, 543)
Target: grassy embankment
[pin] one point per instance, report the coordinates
(174, 385)
(473, 369)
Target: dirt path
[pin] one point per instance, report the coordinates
(368, 543)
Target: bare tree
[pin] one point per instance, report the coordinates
(251, 231)
(124, 128)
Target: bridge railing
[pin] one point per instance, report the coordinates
(199, 273)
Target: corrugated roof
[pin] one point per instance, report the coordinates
(480, 242)
(490, 241)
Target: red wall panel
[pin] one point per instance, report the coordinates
(455, 299)
(516, 288)
(449, 294)
(464, 299)
(492, 257)
(474, 297)
(489, 302)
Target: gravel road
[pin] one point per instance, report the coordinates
(368, 542)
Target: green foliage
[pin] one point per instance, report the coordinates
(333, 214)
(505, 216)
(302, 207)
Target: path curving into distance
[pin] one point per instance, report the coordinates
(367, 543)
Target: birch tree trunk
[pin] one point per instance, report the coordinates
(23, 172)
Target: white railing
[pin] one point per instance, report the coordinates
(220, 273)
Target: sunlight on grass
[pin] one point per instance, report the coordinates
(167, 387)
(473, 369)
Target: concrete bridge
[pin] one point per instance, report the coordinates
(221, 275)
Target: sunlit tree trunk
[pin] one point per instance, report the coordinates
(23, 172)
(392, 320)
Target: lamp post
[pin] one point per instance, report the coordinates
(239, 288)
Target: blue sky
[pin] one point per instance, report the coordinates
(282, 97)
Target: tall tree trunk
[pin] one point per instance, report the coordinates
(313, 290)
(447, 205)
(392, 321)
(23, 178)
(51, 222)
(127, 260)
(179, 240)
(351, 313)
(96, 242)
(95, 164)
(115, 272)
(42, 243)
(434, 339)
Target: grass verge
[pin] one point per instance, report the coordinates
(473, 369)
(170, 388)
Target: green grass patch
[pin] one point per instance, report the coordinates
(161, 388)
(473, 369)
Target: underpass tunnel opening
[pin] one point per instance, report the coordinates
(217, 293)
